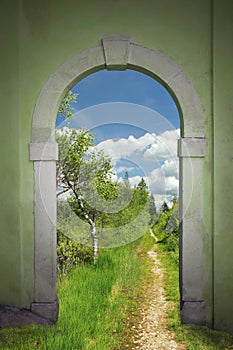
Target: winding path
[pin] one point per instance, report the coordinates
(152, 331)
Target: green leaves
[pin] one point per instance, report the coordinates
(87, 177)
(70, 254)
(73, 146)
(66, 107)
(167, 229)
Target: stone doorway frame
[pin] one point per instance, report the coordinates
(118, 53)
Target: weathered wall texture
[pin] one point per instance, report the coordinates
(37, 37)
(223, 164)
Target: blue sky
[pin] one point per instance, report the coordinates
(135, 121)
(125, 86)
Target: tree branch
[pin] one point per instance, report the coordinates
(64, 191)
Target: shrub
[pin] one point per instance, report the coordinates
(167, 232)
(71, 254)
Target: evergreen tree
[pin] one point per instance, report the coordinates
(152, 211)
(142, 185)
(164, 208)
(126, 179)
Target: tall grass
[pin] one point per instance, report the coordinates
(96, 305)
(195, 338)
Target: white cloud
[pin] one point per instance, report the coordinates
(122, 169)
(124, 148)
(134, 181)
(114, 176)
(160, 198)
(170, 168)
(156, 181)
(162, 181)
(63, 131)
(117, 149)
(164, 147)
(161, 147)
(171, 184)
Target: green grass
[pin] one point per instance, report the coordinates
(96, 305)
(99, 305)
(195, 338)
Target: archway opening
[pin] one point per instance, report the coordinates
(135, 122)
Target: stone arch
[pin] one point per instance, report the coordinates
(119, 53)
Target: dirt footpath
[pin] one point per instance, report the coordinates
(152, 332)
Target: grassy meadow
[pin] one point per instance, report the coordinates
(98, 303)
(195, 338)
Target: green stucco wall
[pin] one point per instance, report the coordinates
(10, 266)
(37, 37)
(223, 165)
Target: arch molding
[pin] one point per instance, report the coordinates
(119, 53)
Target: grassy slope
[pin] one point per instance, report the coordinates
(96, 305)
(196, 338)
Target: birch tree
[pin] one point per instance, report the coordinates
(84, 175)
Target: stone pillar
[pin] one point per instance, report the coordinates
(44, 155)
(191, 152)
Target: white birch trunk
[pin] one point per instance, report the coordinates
(93, 232)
